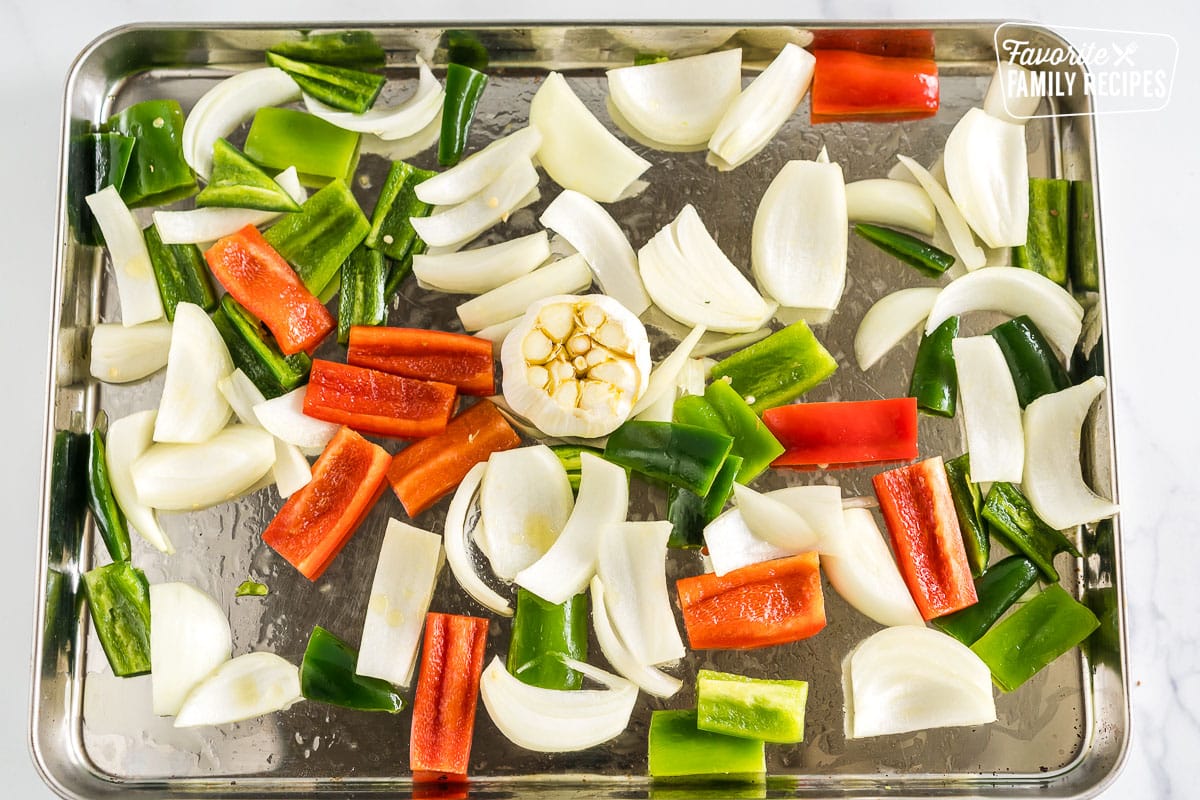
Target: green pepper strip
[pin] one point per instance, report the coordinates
(679, 455)
(967, 502)
(359, 49)
(96, 160)
(251, 589)
(284, 137)
(688, 512)
(110, 520)
(464, 86)
(157, 173)
(778, 369)
(1034, 635)
(343, 88)
(327, 676)
(569, 455)
(255, 352)
(181, 273)
(318, 240)
(1035, 368)
(362, 300)
(237, 182)
(1047, 243)
(464, 47)
(1002, 585)
(770, 710)
(1085, 264)
(391, 231)
(69, 489)
(679, 748)
(925, 258)
(1013, 519)
(752, 440)
(119, 598)
(542, 634)
(935, 376)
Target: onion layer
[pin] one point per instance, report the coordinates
(484, 268)
(189, 638)
(645, 677)
(774, 521)
(128, 438)
(892, 318)
(284, 418)
(140, 300)
(632, 566)
(248, 686)
(987, 173)
(183, 477)
(991, 412)
(894, 203)
(1000, 104)
(291, 470)
(457, 552)
(471, 175)
(525, 501)
(732, 545)
(959, 231)
(192, 408)
(565, 276)
(866, 576)
(452, 225)
(200, 225)
(120, 354)
(395, 122)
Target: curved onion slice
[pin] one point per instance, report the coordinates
(594, 234)
(476, 171)
(577, 151)
(821, 508)
(284, 417)
(626, 127)
(774, 521)
(192, 408)
(121, 353)
(455, 541)
(565, 276)
(189, 638)
(1053, 476)
(199, 225)
(987, 173)
(291, 471)
(909, 678)
(183, 477)
(140, 300)
(226, 106)
(403, 149)
(866, 576)
(647, 678)
(128, 438)
(678, 102)
(524, 501)
(665, 377)
(555, 720)
(569, 564)
(460, 223)
(631, 565)
(395, 122)
(1006, 105)
(690, 279)
(1013, 291)
(497, 333)
(761, 109)
(894, 203)
(732, 545)
(248, 686)
(892, 318)
(991, 413)
(799, 240)
(484, 268)
(971, 254)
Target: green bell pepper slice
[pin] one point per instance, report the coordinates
(362, 300)
(967, 503)
(777, 369)
(391, 231)
(119, 598)
(318, 240)
(180, 272)
(343, 88)
(1003, 584)
(924, 258)
(157, 172)
(570, 456)
(237, 182)
(250, 588)
(935, 376)
(327, 676)
(543, 634)
(358, 49)
(678, 747)
(284, 137)
(688, 512)
(679, 455)
(255, 352)
(752, 440)
(1084, 260)
(1048, 238)
(464, 86)
(752, 708)
(110, 520)
(1013, 519)
(1031, 360)
(95, 160)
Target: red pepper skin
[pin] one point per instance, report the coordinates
(455, 358)
(443, 722)
(896, 42)
(926, 538)
(844, 434)
(756, 606)
(376, 402)
(859, 87)
(316, 522)
(262, 281)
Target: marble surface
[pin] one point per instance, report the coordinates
(1150, 190)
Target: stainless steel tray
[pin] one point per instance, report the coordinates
(1063, 735)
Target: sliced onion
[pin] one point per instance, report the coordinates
(689, 278)
(524, 501)
(184, 477)
(460, 223)
(140, 301)
(969, 252)
(632, 566)
(120, 353)
(567, 276)
(569, 564)
(483, 269)
(226, 106)
(987, 172)
(1002, 105)
(556, 720)
(291, 470)
(577, 151)
(248, 686)
(1053, 473)
(189, 638)
(774, 521)
(471, 175)
(496, 333)
(626, 127)
(457, 551)
(695, 373)
(200, 225)
(761, 109)
(893, 317)
(894, 203)
(866, 576)
(647, 678)
(821, 508)
(665, 376)
(192, 408)
(403, 149)
(991, 412)
(1013, 291)
(681, 101)
(713, 343)
(732, 545)
(128, 438)
(284, 418)
(593, 233)
(394, 122)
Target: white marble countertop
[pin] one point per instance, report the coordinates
(1150, 191)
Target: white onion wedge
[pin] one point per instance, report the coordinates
(226, 106)
(1004, 101)
(184, 477)
(1053, 475)
(291, 470)
(761, 109)
(471, 175)
(893, 317)
(201, 225)
(524, 501)
(732, 545)
(566, 276)
(140, 301)
(598, 238)
(665, 376)
(991, 413)
(248, 686)
(631, 565)
(681, 101)
(458, 554)
(893, 203)
(821, 508)
(969, 252)
(865, 574)
(394, 122)
(626, 127)
(189, 638)
(460, 223)
(284, 418)
(124, 353)
(554, 720)
(1013, 291)
(403, 149)
(569, 564)
(128, 438)
(647, 678)
(774, 521)
(192, 408)
(987, 173)
(484, 268)
(577, 151)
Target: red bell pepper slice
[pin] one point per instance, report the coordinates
(426, 470)
(316, 522)
(376, 402)
(926, 538)
(844, 434)
(772, 602)
(443, 722)
(858, 87)
(900, 42)
(455, 358)
(262, 281)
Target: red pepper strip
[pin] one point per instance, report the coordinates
(317, 521)
(465, 361)
(426, 470)
(262, 281)
(376, 402)
(856, 87)
(919, 511)
(896, 42)
(844, 434)
(772, 602)
(443, 722)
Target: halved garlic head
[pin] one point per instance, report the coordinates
(576, 365)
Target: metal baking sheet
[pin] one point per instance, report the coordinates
(93, 735)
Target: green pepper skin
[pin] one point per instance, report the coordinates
(237, 182)
(1002, 585)
(967, 502)
(1032, 362)
(464, 47)
(110, 520)
(157, 173)
(464, 87)
(357, 49)
(255, 352)
(119, 598)
(1046, 247)
(1012, 519)
(284, 137)
(770, 710)
(344, 88)
(679, 455)
(570, 456)
(694, 409)
(70, 486)
(688, 512)
(251, 589)
(778, 369)
(924, 258)
(1084, 260)
(318, 240)
(95, 160)
(327, 676)
(180, 272)
(362, 300)
(935, 376)
(679, 748)
(752, 440)
(391, 231)
(544, 632)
